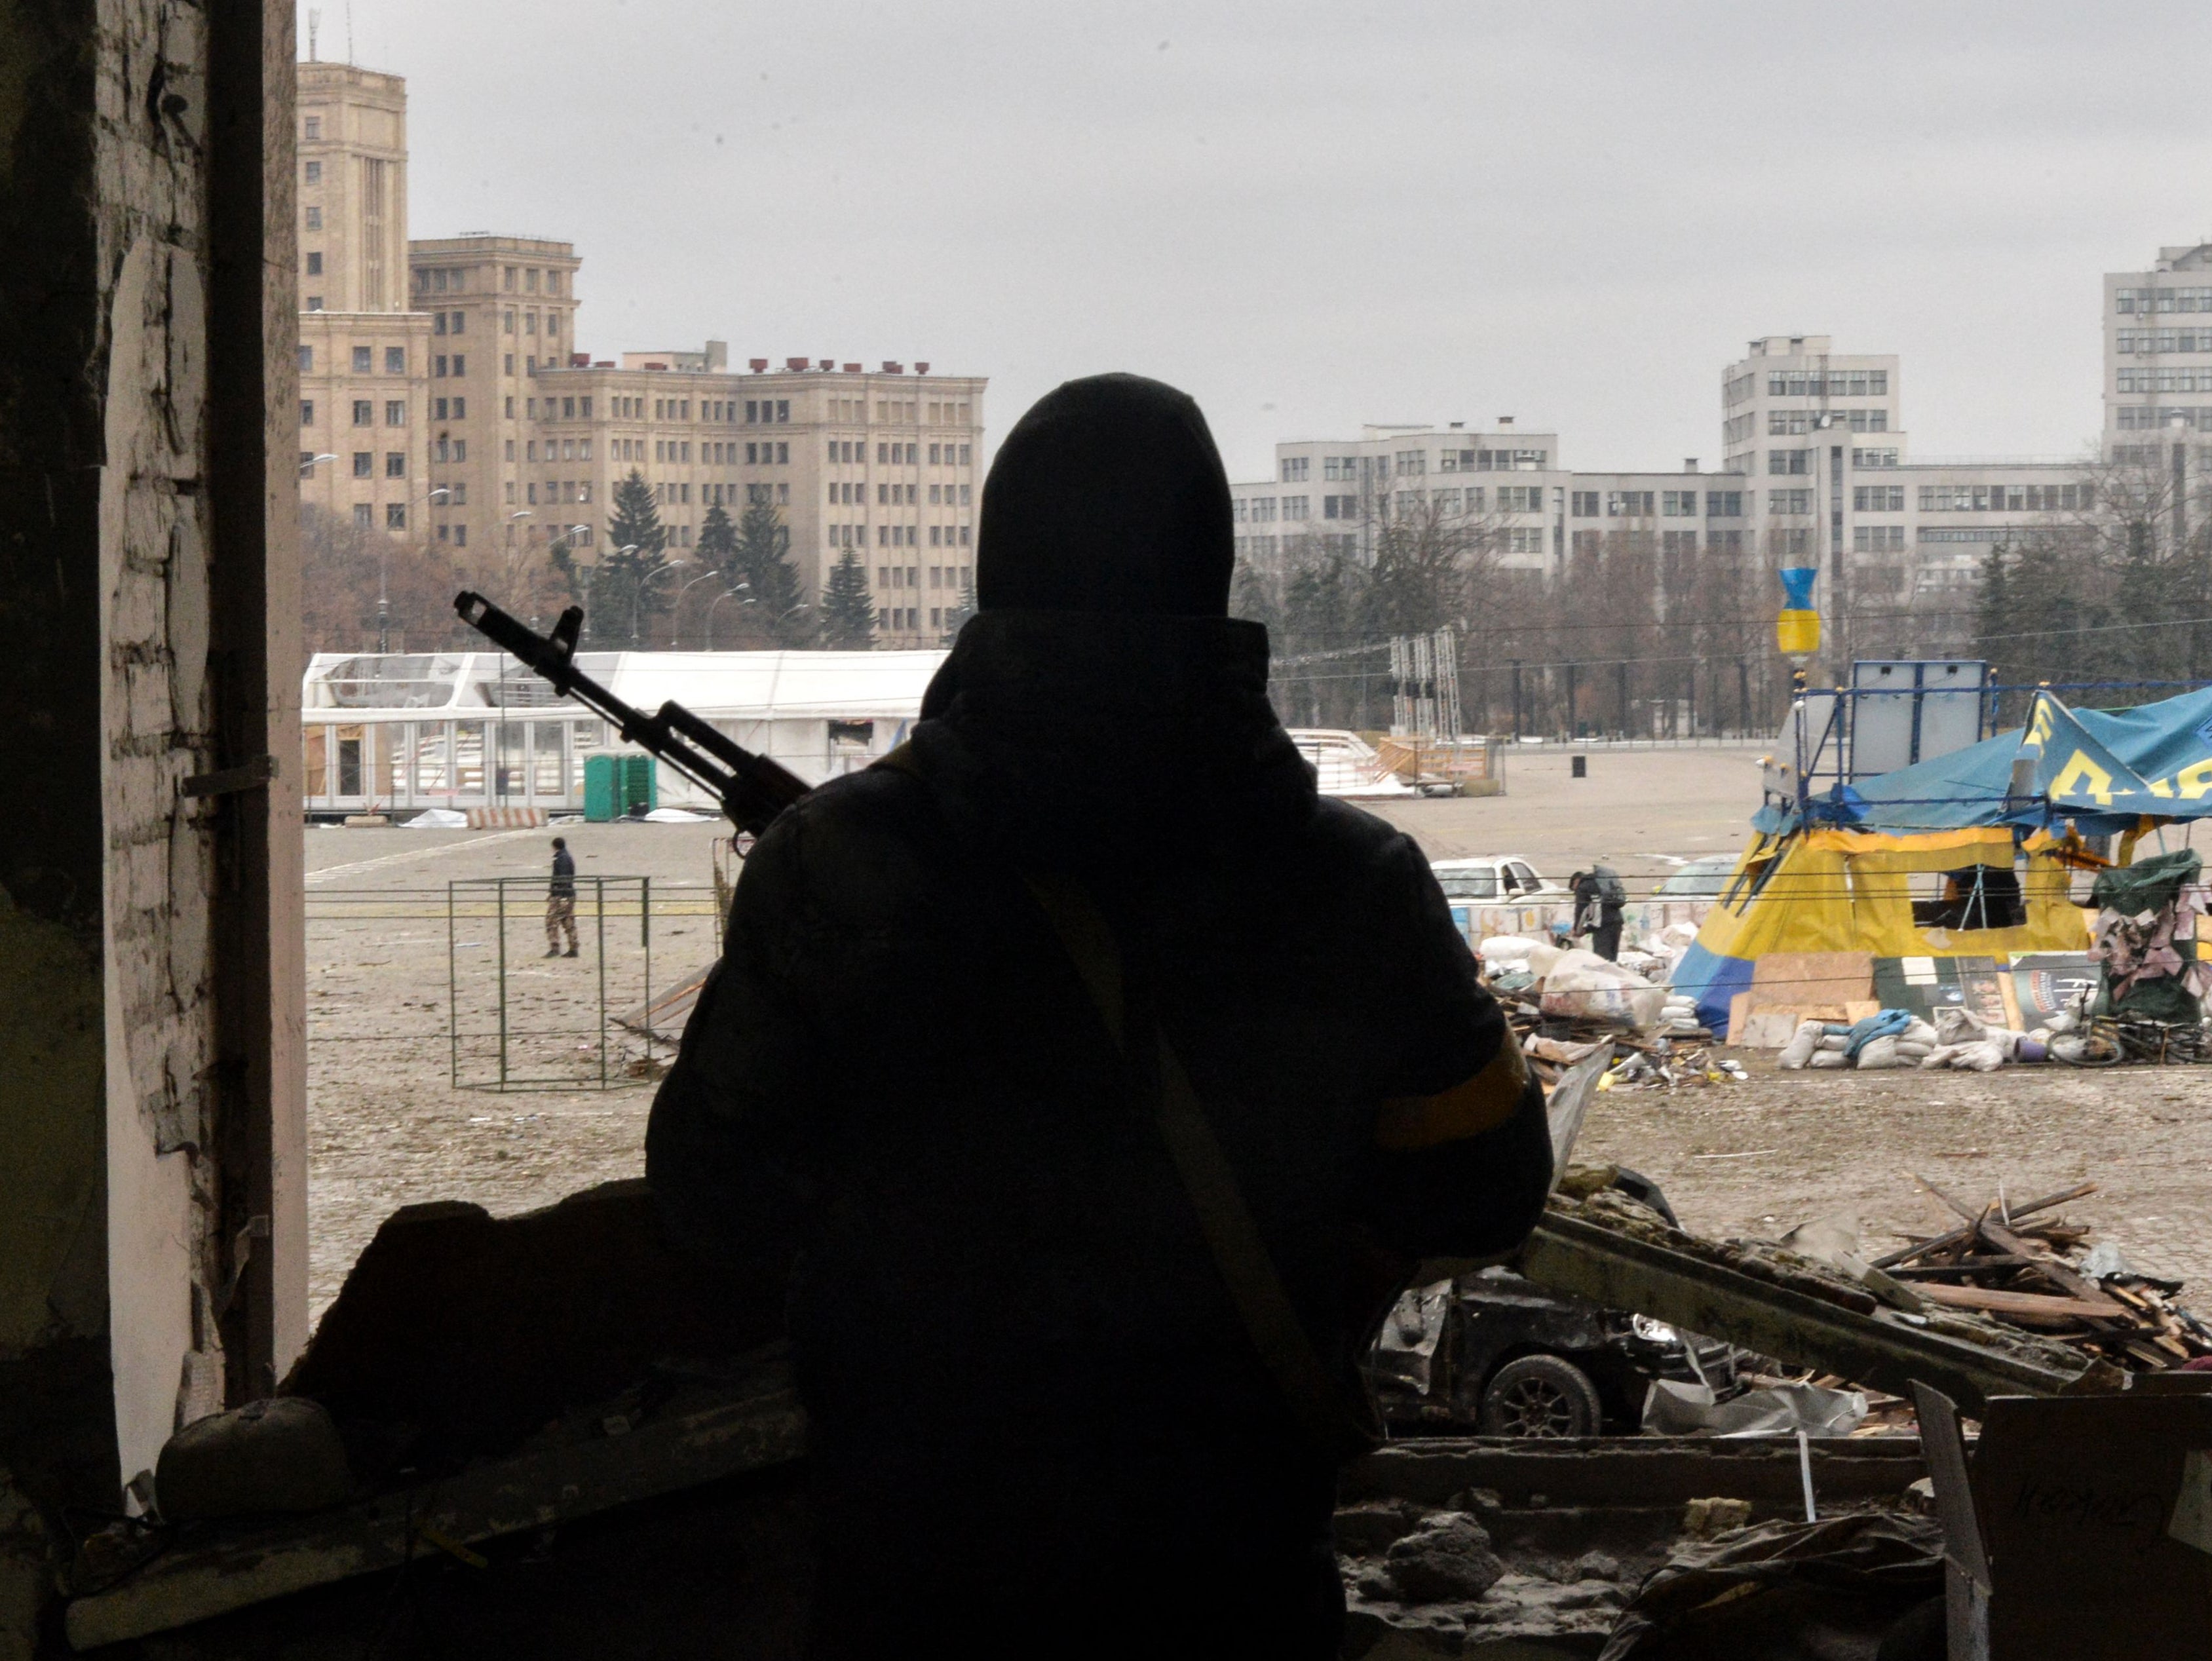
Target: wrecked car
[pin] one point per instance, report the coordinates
(1491, 1354)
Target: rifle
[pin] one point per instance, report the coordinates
(752, 788)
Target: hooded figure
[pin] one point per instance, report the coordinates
(1042, 1421)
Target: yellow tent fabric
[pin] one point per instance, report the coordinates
(1853, 891)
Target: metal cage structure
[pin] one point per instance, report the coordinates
(502, 1037)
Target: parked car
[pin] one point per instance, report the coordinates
(1496, 879)
(1700, 878)
(1496, 1355)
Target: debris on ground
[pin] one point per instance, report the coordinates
(2033, 1270)
(1828, 1311)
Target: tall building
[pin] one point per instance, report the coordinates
(363, 355)
(2158, 359)
(884, 463)
(501, 309)
(1820, 438)
(443, 379)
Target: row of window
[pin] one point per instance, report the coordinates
(1872, 498)
(1348, 469)
(848, 452)
(395, 515)
(1676, 546)
(2141, 301)
(2164, 380)
(364, 360)
(900, 536)
(909, 576)
(1646, 504)
(1827, 383)
(2005, 498)
(1782, 421)
(439, 279)
(2163, 340)
(1876, 539)
(2149, 417)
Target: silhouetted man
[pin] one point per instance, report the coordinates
(1082, 1048)
(1599, 897)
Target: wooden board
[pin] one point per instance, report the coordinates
(1813, 983)
(1765, 1029)
(2017, 1303)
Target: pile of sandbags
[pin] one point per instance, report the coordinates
(1895, 1037)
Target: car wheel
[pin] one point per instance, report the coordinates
(1541, 1395)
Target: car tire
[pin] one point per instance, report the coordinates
(1541, 1395)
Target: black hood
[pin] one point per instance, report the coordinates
(1064, 739)
(1109, 495)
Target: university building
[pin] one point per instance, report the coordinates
(443, 396)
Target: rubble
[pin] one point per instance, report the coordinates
(2035, 1275)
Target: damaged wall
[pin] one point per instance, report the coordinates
(148, 1103)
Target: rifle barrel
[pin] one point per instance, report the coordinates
(752, 788)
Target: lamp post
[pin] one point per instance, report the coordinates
(675, 623)
(384, 579)
(726, 593)
(637, 592)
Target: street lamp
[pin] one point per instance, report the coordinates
(675, 632)
(384, 580)
(637, 591)
(726, 593)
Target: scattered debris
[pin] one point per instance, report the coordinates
(2034, 1275)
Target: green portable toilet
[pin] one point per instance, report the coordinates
(602, 780)
(640, 783)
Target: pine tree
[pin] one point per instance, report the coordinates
(849, 616)
(718, 543)
(955, 616)
(625, 588)
(762, 566)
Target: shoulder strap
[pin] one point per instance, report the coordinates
(1337, 1428)
(1232, 1236)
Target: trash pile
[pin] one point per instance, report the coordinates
(2042, 1275)
(1564, 1003)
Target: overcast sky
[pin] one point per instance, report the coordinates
(1315, 215)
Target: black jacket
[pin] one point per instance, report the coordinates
(1026, 1379)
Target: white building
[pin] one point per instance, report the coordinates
(405, 731)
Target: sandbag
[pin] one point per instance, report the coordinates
(1828, 1058)
(1506, 948)
(1879, 1053)
(1803, 1043)
(1543, 957)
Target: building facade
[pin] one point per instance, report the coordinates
(363, 354)
(2158, 360)
(443, 396)
(501, 309)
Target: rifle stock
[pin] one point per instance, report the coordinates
(752, 788)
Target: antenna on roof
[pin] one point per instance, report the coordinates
(348, 30)
(314, 26)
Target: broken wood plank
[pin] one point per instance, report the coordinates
(1881, 1348)
(1957, 1237)
(1990, 1302)
(530, 1490)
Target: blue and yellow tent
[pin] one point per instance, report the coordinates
(1970, 855)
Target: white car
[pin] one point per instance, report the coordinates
(1496, 879)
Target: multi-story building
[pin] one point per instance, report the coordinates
(502, 309)
(2158, 360)
(443, 379)
(363, 355)
(1506, 488)
(884, 463)
(1900, 544)
(1334, 497)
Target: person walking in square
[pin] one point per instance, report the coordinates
(561, 901)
